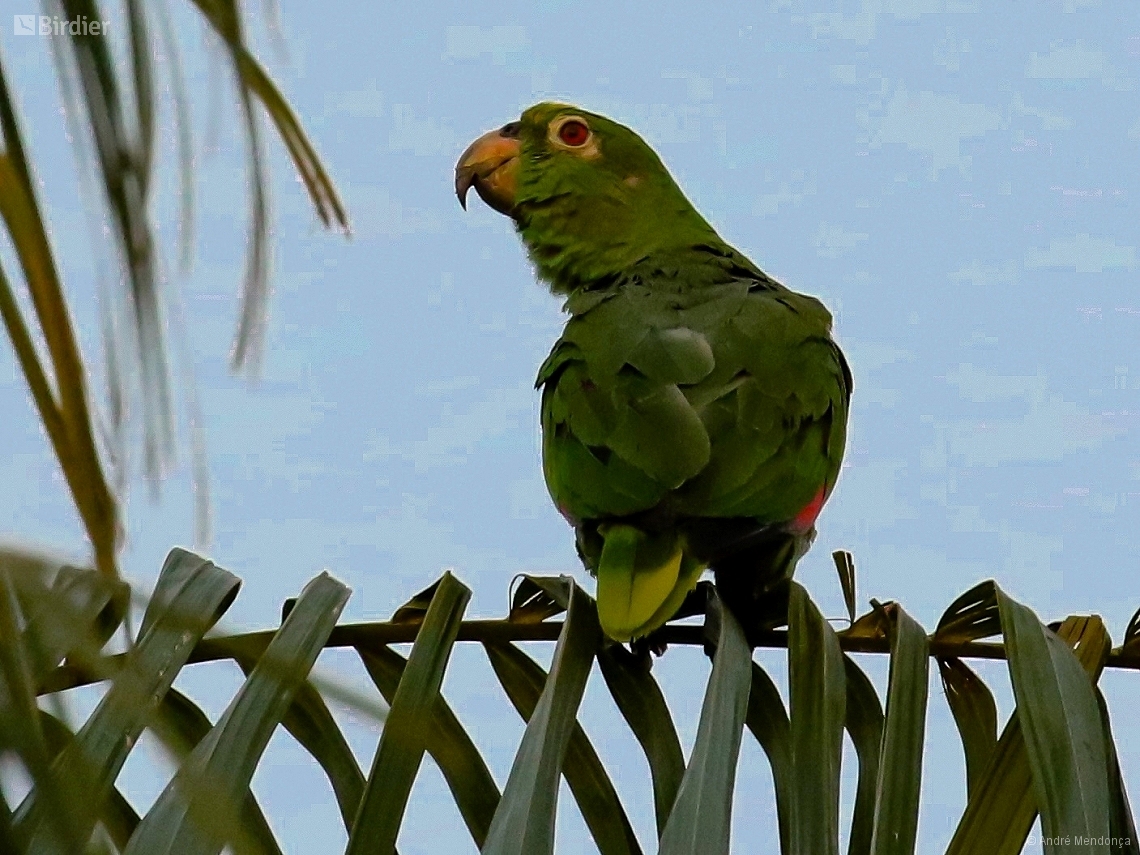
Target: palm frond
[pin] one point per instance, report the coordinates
(1054, 757)
(406, 734)
(701, 819)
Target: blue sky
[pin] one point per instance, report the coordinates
(954, 180)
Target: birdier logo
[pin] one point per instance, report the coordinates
(52, 25)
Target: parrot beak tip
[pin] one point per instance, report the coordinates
(464, 178)
(489, 165)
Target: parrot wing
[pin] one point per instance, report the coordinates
(690, 409)
(775, 410)
(619, 432)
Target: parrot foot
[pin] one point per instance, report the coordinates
(653, 644)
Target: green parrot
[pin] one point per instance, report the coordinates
(694, 411)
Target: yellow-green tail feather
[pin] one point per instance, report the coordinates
(642, 580)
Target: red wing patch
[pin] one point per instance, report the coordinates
(806, 518)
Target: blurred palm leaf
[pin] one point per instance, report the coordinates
(113, 111)
(89, 766)
(196, 812)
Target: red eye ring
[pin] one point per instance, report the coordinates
(574, 133)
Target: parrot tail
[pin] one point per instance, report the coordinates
(642, 579)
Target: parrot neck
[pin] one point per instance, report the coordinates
(581, 242)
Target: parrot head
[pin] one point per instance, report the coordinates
(589, 197)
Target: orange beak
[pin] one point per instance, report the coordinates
(491, 166)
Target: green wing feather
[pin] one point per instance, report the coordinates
(668, 408)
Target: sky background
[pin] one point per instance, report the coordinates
(956, 181)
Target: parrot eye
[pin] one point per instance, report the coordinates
(574, 133)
